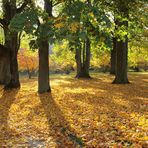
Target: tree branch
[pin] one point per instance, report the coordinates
(22, 7)
(55, 4)
(2, 22)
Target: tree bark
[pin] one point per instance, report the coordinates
(113, 58)
(87, 60)
(12, 44)
(78, 62)
(121, 57)
(43, 79)
(4, 64)
(83, 65)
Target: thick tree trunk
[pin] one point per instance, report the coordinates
(83, 65)
(4, 70)
(43, 79)
(121, 58)
(12, 44)
(1, 72)
(4, 65)
(113, 58)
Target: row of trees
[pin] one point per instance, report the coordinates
(80, 22)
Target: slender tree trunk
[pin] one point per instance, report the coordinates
(113, 58)
(84, 53)
(43, 79)
(29, 74)
(78, 62)
(87, 60)
(83, 65)
(121, 58)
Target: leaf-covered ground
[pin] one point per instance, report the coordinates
(78, 113)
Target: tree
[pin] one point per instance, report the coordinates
(122, 49)
(40, 24)
(83, 60)
(28, 61)
(113, 50)
(10, 9)
(4, 60)
(61, 58)
(113, 57)
(138, 57)
(43, 42)
(85, 19)
(122, 23)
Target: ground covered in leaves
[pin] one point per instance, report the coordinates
(78, 113)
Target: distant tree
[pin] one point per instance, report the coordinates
(113, 57)
(28, 61)
(85, 19)
(62, 58)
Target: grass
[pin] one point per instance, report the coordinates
(78, 113)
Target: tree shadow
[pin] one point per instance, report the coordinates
(101, 99)
(134, 92)
(62, 132)
(6, 101)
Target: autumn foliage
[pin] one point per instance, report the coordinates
(78, 113)
(28, 61)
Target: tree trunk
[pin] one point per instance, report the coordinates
(4, 64)
(87, 59)
(29, 74)
(1, 72)
(12, 44)
(83, 65)
(121, 57)
(78, 62)
(113, 58)
(43, 79)
(3, 68)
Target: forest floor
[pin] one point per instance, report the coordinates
(78, 113)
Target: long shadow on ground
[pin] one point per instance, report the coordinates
(62, 132)
(6, 100)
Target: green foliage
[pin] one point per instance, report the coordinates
(76, 20)
(138, 56)
(25, 21)
(35, 23)
(62, 57)
(2, 38)
(100, 55)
